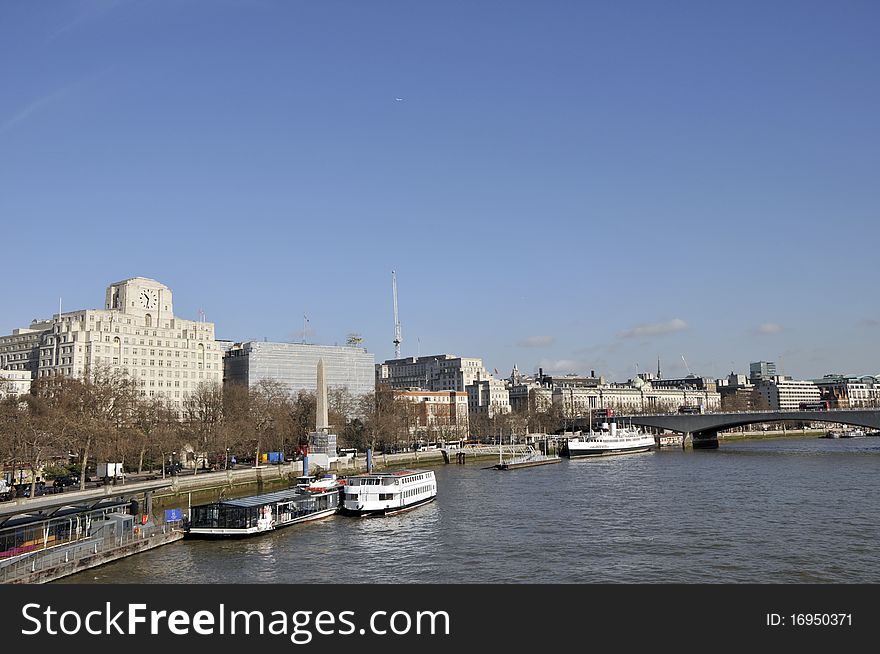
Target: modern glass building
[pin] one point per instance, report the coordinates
(296, 364)
(761, 370)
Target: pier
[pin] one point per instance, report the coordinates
(527, 462)
(46, 538)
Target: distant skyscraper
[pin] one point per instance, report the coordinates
(760, 370)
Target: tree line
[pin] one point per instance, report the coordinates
(67, 425)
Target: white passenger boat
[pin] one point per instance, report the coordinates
(609, 439)
(247, 516)
(387, 493)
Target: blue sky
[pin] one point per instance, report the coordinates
(571, 185)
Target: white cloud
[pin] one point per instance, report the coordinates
(655, 329)
(769, 328)
(537, 341)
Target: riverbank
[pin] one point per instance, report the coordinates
(203, 488)
(676, 517)
(72, 558)
(181, 492)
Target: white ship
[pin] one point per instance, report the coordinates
(609, 439)
(387, 493)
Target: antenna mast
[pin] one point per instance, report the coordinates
(397, 338)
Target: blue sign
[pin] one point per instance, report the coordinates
(173, 515)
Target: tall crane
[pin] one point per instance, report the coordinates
(397, 338)
(687, 366)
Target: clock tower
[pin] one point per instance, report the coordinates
(140, 296)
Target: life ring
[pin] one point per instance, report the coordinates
(137, 530)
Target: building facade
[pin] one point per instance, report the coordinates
(14, 383)
(436, 415)
(631, 398)
(294, 365)
(136, 334)
(21, 350)
(690, 382)
(442, 372)
(781, 393)
(488, 397)
(737, 393)
(849, 391)
(762, 370)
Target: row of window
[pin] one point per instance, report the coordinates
(22, 356)
(51, 371)
(407, 480)
(417, 491)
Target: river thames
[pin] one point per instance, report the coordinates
(784, 510)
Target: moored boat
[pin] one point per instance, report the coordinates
(608, 440)
(256, 514)
(388, 493)
(669, 440)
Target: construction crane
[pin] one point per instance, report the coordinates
(687, 366)
(397, 338)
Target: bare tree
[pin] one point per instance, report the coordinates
(203, 413)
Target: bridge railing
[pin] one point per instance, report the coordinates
(817, 412)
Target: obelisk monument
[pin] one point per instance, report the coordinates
(321, 415)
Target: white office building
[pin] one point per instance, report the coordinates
(441, 372)
(781, 393)
(136, 333)
(294, 366)
(488, 397)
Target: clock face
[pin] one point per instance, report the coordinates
(148, 298)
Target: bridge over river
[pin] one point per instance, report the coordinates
(702, 429)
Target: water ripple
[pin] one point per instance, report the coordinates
(786, 511)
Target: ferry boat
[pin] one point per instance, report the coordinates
(256, 514)
(388, 493)
(610, 439)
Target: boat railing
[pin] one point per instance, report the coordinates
(493, 449)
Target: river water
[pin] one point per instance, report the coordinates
(784, 510)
